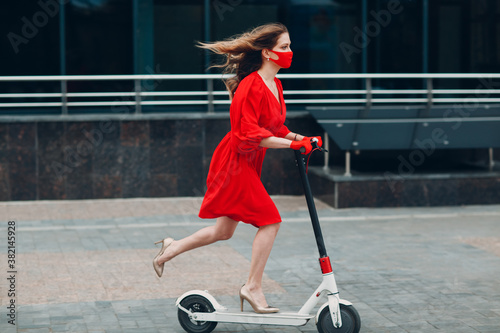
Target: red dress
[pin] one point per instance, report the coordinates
(234, 188)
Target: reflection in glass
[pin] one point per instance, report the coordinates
(99, 42)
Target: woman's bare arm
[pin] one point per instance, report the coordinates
(294, 136)
(275, 142)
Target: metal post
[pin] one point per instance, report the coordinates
(347, 164)
(368, 84)
(135, 34)
(492, 161)
(62, 38)
(210, 90)
(326, 144)
(425, 36)
(429, 93)
(64, 96)
(142, 36)
(62, 58)
(364, 50)
(207, 36)
(138, 107)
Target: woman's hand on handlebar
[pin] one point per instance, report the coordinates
(304, 146)
(317, 139)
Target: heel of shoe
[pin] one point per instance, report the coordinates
(255, 307)
(164, 244)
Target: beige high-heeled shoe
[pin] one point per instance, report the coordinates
(159, 268)
(245, 295)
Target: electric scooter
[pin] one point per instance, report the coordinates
(199, 312)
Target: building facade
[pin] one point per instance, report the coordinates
(88, 37)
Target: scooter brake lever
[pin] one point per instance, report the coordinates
(315, 145)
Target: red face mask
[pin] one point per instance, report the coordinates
(284, 60)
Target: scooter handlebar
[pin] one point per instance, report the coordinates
(314, 144)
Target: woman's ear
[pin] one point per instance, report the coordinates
(269, 54)
(265, 54)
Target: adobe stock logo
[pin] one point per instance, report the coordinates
(40, 19)
(224, 6)
(362, 39)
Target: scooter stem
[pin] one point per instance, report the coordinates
(310, 204)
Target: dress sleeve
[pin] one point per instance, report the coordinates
(251, 133)
(283, 131)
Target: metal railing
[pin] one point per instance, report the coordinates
(139, 96)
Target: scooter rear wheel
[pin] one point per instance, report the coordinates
(351, 322)
(195, 303)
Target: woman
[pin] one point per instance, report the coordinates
(234, 189)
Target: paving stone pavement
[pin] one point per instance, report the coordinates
(85, 265)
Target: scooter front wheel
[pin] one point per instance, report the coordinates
(351, 322)
(195, 303)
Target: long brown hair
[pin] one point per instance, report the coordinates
(243, 52)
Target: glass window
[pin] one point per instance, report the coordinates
(317, 29)
(323, 41)
(178, 25)
(394, 34)
(484, 51)
(464, 38)
(99, 42)
(99, 37)
(30, 46)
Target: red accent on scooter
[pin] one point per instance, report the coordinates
(326, 266)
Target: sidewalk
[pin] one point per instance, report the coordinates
(85, 265)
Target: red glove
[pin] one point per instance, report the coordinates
(304, 144)
(309, 138)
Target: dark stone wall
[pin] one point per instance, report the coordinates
(167, 155)
(91, 157)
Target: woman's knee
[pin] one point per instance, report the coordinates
(274, 227)
(224, 233)
(225, 236)
(225, 228)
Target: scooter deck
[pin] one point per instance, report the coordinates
(250, 317)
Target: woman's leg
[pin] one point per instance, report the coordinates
(261, 249)
(222, 230)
